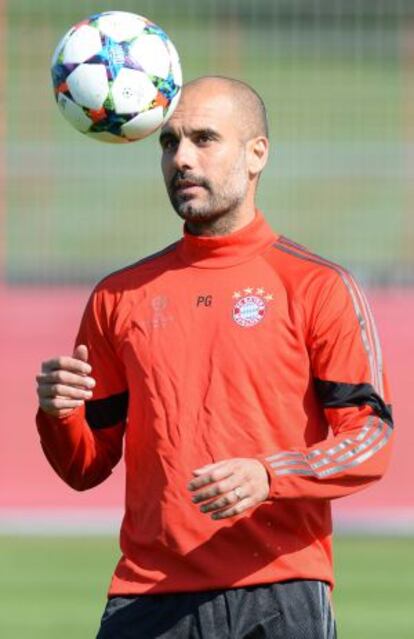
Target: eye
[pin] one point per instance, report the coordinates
(204, 137)
(168, 142)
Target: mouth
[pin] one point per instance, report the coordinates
(186, 185)
(183, 184)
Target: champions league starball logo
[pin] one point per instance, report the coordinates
(250, 306)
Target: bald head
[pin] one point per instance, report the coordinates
(249, 107)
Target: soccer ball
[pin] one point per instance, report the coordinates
(116, 76)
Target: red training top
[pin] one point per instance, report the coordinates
(244, 345)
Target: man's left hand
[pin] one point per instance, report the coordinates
(229, 487)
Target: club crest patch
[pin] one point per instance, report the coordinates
(250, 306)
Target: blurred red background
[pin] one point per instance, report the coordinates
(39, 323)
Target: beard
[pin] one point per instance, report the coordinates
(185, 203)
(215, 201)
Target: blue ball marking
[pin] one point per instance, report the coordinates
(59, 74)
(112, 55)
(111, 124)
(153, 29)
(166, 86)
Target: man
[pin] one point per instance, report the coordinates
(220, 363)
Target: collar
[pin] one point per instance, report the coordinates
(223, 251)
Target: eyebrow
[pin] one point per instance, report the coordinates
(169, 133)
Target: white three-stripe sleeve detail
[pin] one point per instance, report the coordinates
(364, 325)
(354, 451)
(376, 342)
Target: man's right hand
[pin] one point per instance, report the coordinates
(65, 383)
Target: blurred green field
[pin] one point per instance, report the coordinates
(55, 587)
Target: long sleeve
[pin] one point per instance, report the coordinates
(84, 446)
(350, 384)
(283, 356)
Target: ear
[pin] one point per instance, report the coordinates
(257, 154)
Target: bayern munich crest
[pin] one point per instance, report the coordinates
(250, 306)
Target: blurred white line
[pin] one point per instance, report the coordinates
(60, 521)
(107, 521)
(375, 521)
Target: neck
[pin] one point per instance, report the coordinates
(224, 251)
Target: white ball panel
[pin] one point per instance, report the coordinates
(84, 43)
(152, 54)
(88, 84)
(172, 107)
(132, 91)
(74, 113)
(143, 124)
(60, 46)
(121, 26)
(175, 64)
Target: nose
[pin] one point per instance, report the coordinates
(184, 155)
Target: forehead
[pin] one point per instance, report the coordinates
(199, 109)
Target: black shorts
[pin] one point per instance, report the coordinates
(288, 610)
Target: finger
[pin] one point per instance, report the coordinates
(229, 499)
(65, 377)
(237, 509)
(218, 473)
(209, 467)
(54, 406)
(219, 488)
(81, 352)
(60, 390)
(66, 363)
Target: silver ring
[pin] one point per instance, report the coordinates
(237, 493)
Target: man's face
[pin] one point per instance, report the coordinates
(204, 157)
